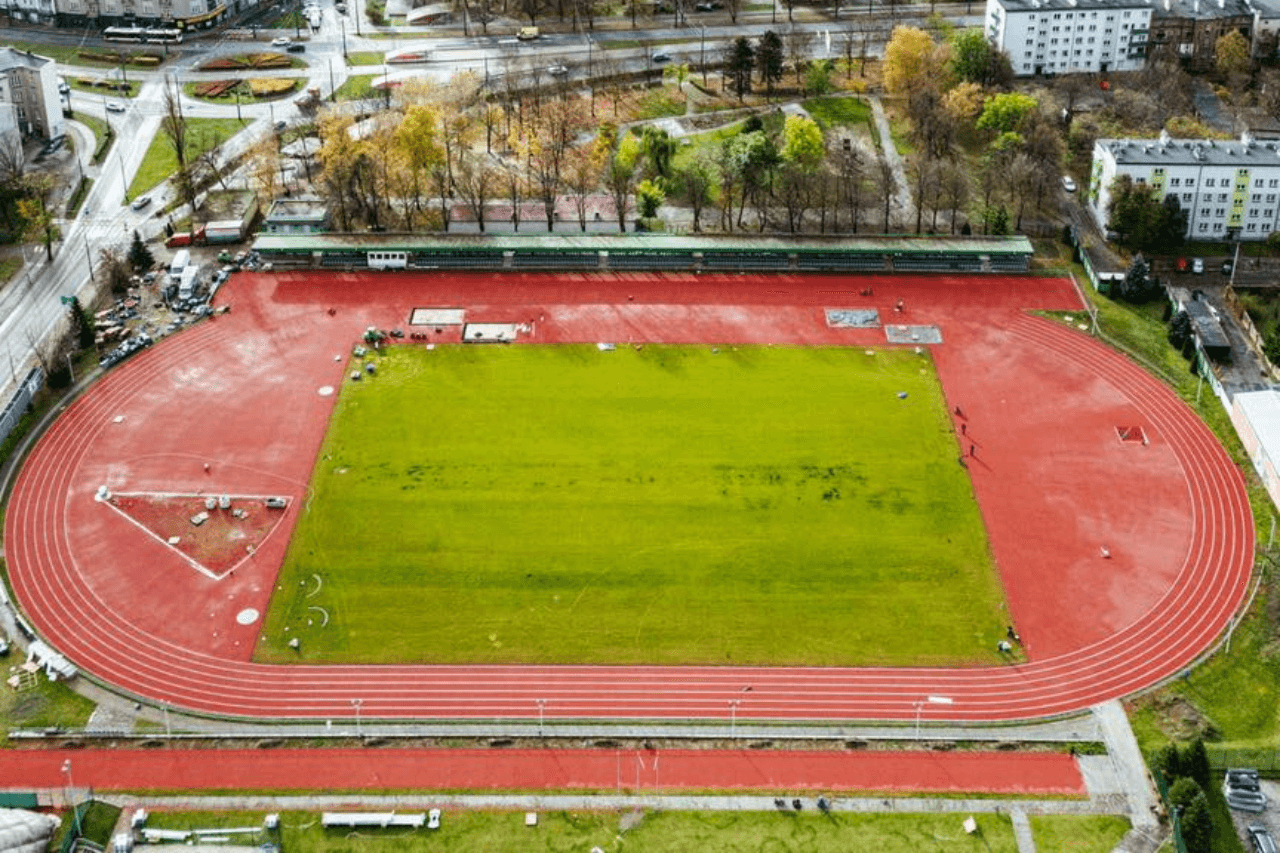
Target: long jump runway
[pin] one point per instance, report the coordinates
(1122, 560)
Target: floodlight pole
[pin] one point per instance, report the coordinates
(929, 700)
(733, 717)
(66, 768)
(356, 703)
(542, 707)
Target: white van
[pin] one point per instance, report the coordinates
(179, 263)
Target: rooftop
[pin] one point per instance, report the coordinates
(11, 58)
(1072, 5)
(1201, 10)
(1166, 151)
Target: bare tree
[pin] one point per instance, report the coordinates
(475, 179)
(886, 189)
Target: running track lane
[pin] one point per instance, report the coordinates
(1041, 774)
(1210, 584)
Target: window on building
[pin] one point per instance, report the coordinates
(1222, 211)
(1208, 182)
(1204, 211)
(1255, 198)
(1204, 226)
(1222, 196)
(1258, 183)
(1191, 182)
(1269, 212)
(1253, 213)
(1252, 226)
(1217, 226)
(1175, 182)
(1186, 198)
(1266, 226)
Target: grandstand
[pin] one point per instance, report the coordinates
(651, 252)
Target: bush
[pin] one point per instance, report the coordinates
(1183, 791)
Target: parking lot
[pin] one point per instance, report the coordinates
(1269, 817)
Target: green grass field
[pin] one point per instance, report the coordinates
(668, 505)
(649, 832)
(160, 162)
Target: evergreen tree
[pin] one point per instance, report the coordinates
(1179, 333)
(1195, 760)
(1197, 826)
(1184, 791)
(80, 325)
(739, 60)
(769, 60)
(1168, 762)
(140, 257)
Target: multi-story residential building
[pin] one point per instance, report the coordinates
(29, 82)
(1190, 29)
(1229, 189)
(1065, 36)
(179, 14)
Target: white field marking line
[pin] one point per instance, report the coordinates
(323, 612)
(188, 560)
(319, 584)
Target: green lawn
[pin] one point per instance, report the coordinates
(650, 832)
(366, 57)
(668, 505)
(129, 90)
(1076, 833)
(43, 705)
(839, 112)
(9, 267)
(100, 136)
(358, 87)
(160, 163)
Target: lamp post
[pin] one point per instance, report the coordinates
(702, 52)
(66, 768)
(356, 703)
(733, 717)
(342, 21)
(542, 706)
(929, 700)
(88, 256)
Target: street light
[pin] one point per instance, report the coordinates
(356, 703)
(930, 700)
(66, 768)
(733, 717)
(542, 705)
(702, 52)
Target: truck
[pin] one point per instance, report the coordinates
(181, 259)
(187, 283)
(528, 33)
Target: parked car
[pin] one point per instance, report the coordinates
(1261, 838)
(141, 202)
(281, 42)
(660, 56)
(1227, 266)
(297, 47)
(557, 71)
(1182, 265)
(1197, 266)
(1243, 791)
(115, 107)
(1068, 183)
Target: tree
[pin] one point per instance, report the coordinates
(1179, 334)
(1184, 790)
(619, 179)
(817, 78)
(995, 220)
(912, 59)
(40, 223)
(963, 102)
(1195, 759)
(1005, 113)
(697, 177)
(81, 327)
(769, 60)
(976, 60)
(802, 142)
(1135, 213)
(649, 197)
(739, 62)
(658, 148)
(1197, 826)
(1172, 229)
(1138, 286)
(140, 257)
(1231, 54)
(417, 137)
(1167, 761)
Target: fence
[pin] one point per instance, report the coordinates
(1178, 844)
(17, 406)
(1266, 760)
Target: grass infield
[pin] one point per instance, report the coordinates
(667, 505)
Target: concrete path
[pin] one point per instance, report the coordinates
(903, 204)
(1022, 830)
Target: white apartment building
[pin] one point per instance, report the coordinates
(1066, 36)
(1229, 189)
(30, 82)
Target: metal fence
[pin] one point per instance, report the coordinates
(1266, 760)
(21, 399)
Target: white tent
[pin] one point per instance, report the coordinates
(22, 831)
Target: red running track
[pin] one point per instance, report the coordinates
(604, 770)
(1040, 401)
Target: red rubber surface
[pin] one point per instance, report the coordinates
(604, 770)
(1040, 404)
